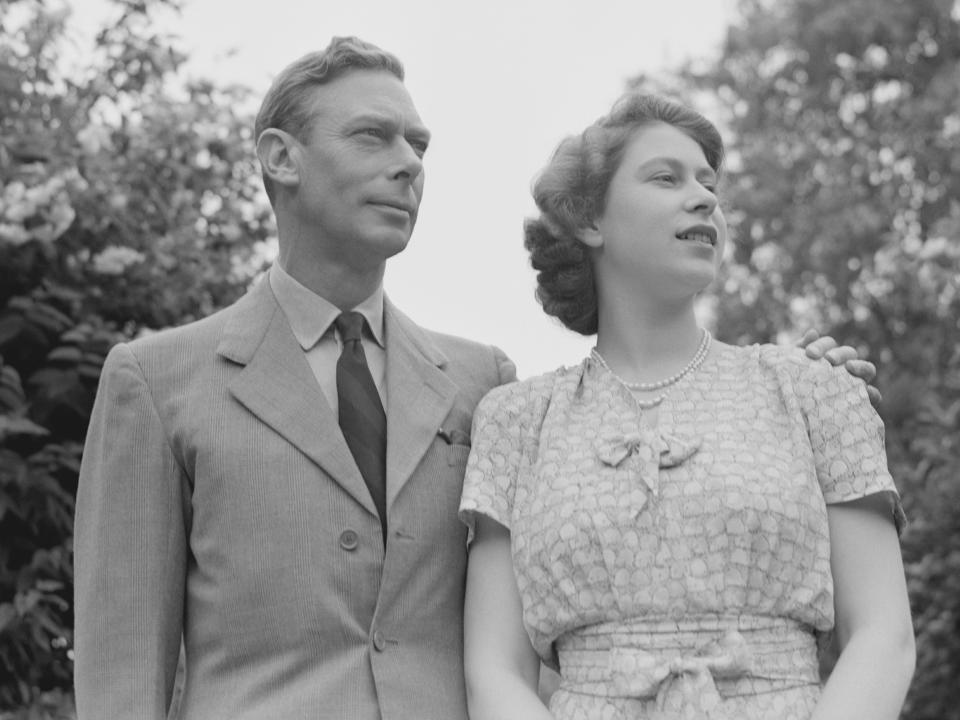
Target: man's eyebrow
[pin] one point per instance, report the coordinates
(371, 117)
(418, 132)
(386, 119)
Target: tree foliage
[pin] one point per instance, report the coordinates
(129, 201)
(843, 125)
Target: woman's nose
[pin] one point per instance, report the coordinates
(701, 200)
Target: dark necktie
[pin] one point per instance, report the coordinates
(362, 419)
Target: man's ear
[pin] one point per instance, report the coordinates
(277, 151)
(590, 236)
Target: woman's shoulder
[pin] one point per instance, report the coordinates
(791, 372)
(768, 357)
(529, 396)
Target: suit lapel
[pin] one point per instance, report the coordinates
(419, 396)
(278, 386)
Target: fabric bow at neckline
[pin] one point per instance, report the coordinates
(649, 450)
(683, 685)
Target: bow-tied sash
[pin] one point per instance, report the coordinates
(684, 686)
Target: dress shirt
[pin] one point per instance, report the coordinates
(311, 319)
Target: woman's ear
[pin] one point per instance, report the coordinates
(277, 151)
(590, 236)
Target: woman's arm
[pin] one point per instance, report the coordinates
(873, 625)
(500, 665)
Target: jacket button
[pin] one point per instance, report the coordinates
(349, 540)
(379, 641)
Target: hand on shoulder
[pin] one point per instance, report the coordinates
(817, 347)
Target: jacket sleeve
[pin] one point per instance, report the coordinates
(130, 550)
(506, 368)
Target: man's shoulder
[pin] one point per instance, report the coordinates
(200, 340)
(458, 345)
(198, 333)
(469, 361)
(443, 347)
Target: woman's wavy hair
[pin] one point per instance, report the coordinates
(287, 104)
(571, 194)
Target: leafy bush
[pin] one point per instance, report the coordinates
(129, 201)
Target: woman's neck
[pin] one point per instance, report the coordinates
(644, 344)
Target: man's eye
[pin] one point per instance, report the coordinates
(372, 132)
(419, 147)
(665, 177)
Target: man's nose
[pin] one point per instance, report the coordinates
(409, 163)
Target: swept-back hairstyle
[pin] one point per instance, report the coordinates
(571, 194)
(287, 104)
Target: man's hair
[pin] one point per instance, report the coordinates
(571, 194)
(287, 104)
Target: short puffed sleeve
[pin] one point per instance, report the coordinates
(846, 435)
(496, 451)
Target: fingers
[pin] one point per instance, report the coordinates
(866, 371)
(840, 355)
(817, 347)
(808, 337)
(820, 347)
(863, 369)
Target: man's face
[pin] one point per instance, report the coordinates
(361, 168)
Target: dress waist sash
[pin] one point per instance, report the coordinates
(690, 662)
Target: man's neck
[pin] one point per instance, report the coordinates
(341, 286)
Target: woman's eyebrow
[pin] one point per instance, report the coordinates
(677, 166)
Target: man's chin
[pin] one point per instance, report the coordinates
(390, 243)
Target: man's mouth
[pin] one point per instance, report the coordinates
(396, 205)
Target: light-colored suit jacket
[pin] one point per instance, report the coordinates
(219, 503)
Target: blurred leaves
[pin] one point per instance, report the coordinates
(129, 201)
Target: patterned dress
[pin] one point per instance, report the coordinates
(678, 569)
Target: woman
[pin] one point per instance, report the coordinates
(674, 523)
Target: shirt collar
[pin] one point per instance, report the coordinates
(310, 315)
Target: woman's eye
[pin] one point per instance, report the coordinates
(665, 177)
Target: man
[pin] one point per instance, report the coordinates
(237, 492)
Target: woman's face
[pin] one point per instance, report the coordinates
(661, 230)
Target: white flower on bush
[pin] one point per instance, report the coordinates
(231, 232)
(15, 206)
(59, 218)
(95, 138)
(115, 259)
(13, 234)
(47, 205)
(44, 193)
(939, 247)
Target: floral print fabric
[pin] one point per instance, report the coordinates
(713, 515)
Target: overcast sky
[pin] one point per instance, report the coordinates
(499, 84)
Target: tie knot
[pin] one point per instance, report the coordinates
(350, 325)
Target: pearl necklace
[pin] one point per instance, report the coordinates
(694, 363)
